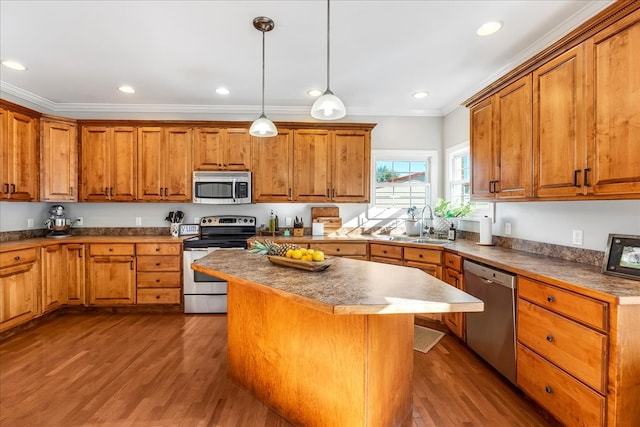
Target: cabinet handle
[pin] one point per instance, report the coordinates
(157, 280)
(450, 261)
(575, 177)
(6, 188)
(166, 191)
(550, 338)
(131, 265)
(491, 186)
(13, 188)
(585, 180)
(328, 192)
(289, 192)
(111, 191)
(548, 389)
(338, 250)
(17, 257)
(71, 191)
(384, 252)
(110, 249)
(157, 264)
(157, 249)
(333, 193)
(79, 253)
(551, 298)
(106, 191)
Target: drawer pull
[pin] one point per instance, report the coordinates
(384, 252)
(550, 338)
(157, 249)
(551, 298)
(157, 280)
(17, 257)
(450, 261)
(338, 250)
(157, 296)
(548, 389)
(110, 249)
(420, 256)
(157, 264)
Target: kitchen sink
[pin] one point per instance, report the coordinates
(430, 241)
(409, 239)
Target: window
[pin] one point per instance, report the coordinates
(460, 180)
(403, 178)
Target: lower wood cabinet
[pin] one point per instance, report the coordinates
(386, 254)
(562, 360)
(454, 276)
(19, 286)
(111, 274)
(355, 250)
(73, 259)
(53, 277)
(159, 273)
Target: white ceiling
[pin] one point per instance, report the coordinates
(175, 53)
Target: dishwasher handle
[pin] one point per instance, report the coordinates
(489, 275)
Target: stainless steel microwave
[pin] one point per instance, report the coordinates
(222, 188)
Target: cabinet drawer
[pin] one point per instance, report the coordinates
(158, 280)
(159, 296)
(386, 251)
(341, 249)
(432, 269)
(571, 402)
(383, 260)
(158, 263)
(22, 256)
(97, 249)
(158, 249)
(432, 256)
(579, 350)
(578, 307)
(453, 261)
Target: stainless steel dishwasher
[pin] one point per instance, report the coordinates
(492, 333)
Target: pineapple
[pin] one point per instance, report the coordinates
(269, 247)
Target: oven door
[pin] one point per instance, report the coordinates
(199, 283)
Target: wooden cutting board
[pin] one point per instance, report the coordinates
(324, 211)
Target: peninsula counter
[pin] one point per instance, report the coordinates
(329, 348)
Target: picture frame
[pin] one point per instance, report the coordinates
(622, 256)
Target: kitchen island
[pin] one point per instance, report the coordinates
(328, 348)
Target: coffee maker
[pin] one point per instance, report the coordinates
(57, 223)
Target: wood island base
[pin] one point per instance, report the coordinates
(316, 368)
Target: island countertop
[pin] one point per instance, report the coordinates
(347, 287)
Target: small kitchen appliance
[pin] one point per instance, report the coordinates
(222, 188)
(204, 293)
(58, 223)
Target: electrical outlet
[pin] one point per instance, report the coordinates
(138, 220)
(577, 237)
(507, 228)
(79, 220)
(30, 223)
(287, 221)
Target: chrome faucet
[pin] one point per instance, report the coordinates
(422, 227)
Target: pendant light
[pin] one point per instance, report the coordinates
(328, 106)
(263, 127)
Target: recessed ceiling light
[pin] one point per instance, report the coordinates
(14, 65)
(489, 28)
(222, 91)
(314, 92)
(126, 89)
(421, 94)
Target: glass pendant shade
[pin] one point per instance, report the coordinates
(263, 127)
(328, 107)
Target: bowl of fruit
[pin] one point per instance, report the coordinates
(292, 255)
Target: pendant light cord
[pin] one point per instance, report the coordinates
(263, 72)
(328, 42)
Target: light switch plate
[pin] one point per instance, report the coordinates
(577, 237)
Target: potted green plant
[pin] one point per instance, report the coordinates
(412, 224)
(445, 214)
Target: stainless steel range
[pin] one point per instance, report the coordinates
(204, 293)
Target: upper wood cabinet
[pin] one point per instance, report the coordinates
(58, 160)
(501, 144)
(272, 167)
(613, 165)
(559, 122)
(312, 165)
(109, 168)
(221, 149)
(164, 164)
(18, 156)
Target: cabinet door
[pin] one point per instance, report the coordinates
(208, 150)
(559, 125)
(311, 170)
(614, 152)
(59, 162)
(22, 157)
(481, 150)
(176, 158)
(150, 166)
(111, 280)
(351, 166)
(123, 160)
(18, 294)
(53, 277)
(513, 164)
(455, 321)
(95, 172)
(238, 149)
(272, 174)
(75, 270)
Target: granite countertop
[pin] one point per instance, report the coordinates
(347, 287)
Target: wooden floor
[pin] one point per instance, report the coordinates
(170, 370)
